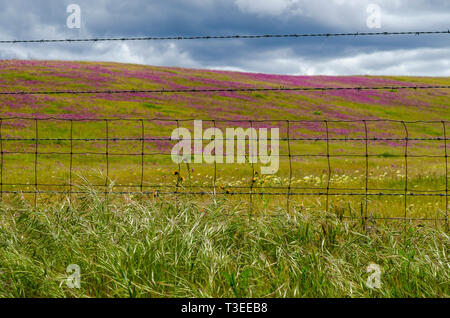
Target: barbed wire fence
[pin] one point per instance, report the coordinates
(228, 37)
(218, 90)
(288, 191)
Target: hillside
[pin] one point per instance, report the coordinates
(54, 75)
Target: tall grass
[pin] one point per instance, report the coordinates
(130, 247)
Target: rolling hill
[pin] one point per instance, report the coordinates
(330, 105)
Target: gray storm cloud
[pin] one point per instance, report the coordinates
(405, 55)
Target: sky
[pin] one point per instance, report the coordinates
(424, 55)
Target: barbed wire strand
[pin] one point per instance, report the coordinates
(218, 90)
(236, 36)
(156, 186)
(224, 120)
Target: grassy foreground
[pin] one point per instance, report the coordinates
(134, 248)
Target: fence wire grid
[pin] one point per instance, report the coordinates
(36, 145)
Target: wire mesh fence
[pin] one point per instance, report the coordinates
(373, 165)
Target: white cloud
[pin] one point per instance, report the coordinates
(416, 62)
(265, 7)
(352, 14)
(164, 54)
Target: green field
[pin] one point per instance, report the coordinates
(241, 240)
